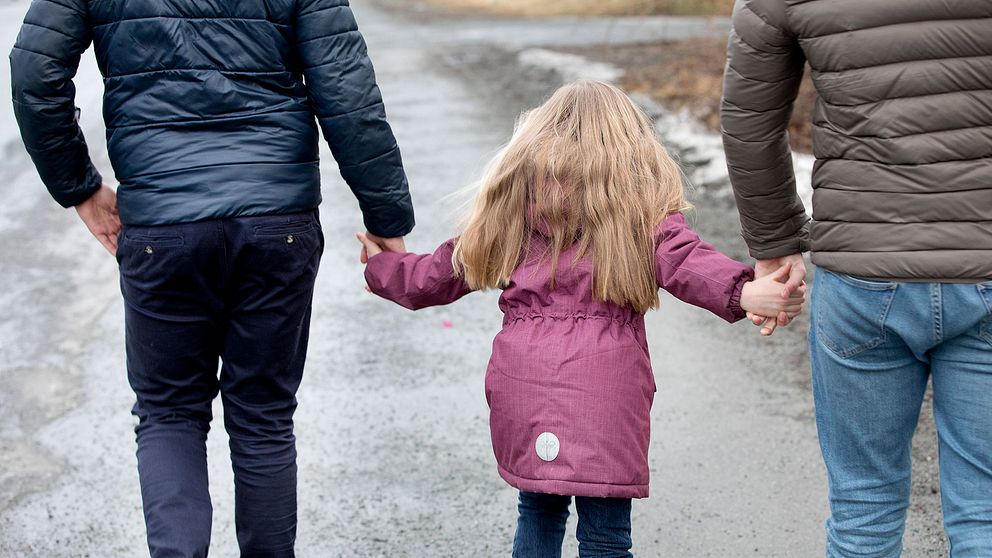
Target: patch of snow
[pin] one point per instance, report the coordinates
(701, 150)
(571, 67)
(698, 148)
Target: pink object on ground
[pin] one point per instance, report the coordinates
(569, 365)
(447, 324)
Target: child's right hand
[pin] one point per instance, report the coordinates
(763, 296)
(372, 244)
(369, 246)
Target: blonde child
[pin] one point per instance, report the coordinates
(578, 221)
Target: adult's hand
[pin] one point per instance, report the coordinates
(796, 278)
(394, 244)
(369, 248)
(99, 213)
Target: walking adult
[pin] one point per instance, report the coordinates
(901, 235)
(211, 111)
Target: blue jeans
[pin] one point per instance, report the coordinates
(873, 346)
(603, 530)
(236, 291)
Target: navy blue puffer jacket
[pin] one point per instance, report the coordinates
(210, 107)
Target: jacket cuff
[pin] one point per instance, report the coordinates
(378, 269)
(82, 192)
(398, 221)
(734, 306)
(796, 244)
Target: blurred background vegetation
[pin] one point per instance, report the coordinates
(688, 76)
(682, 75)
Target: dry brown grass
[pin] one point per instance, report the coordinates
(689, 75)
(544, 8)
(682, 75)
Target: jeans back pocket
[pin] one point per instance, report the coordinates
(850, 312)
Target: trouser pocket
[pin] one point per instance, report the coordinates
(849, 313)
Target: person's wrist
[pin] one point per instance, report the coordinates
(768, 265)
(89, 199)
(747, 290)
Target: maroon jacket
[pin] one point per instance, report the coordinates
(569, 383)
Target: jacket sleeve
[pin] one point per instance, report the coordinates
(762, 77)
(695, 272)
(416, 281)
(348, 105)
(42, 64)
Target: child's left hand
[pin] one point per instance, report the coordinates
(763, 296)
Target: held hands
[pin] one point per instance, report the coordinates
(99, 213)
(772, 295)
(796, 278)
(369, 247)
(372, 245)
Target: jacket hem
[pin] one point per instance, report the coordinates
(937, 266)
(574, 488)
(219, 192)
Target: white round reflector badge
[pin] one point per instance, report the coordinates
(547, 446)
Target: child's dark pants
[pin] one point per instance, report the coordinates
(233, 290)
(603, 530)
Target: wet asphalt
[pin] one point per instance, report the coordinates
(392, 427)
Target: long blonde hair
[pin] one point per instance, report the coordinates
(587, 166)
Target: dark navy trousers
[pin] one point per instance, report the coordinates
(233, 291)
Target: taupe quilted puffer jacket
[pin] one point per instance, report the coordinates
(902, 134)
